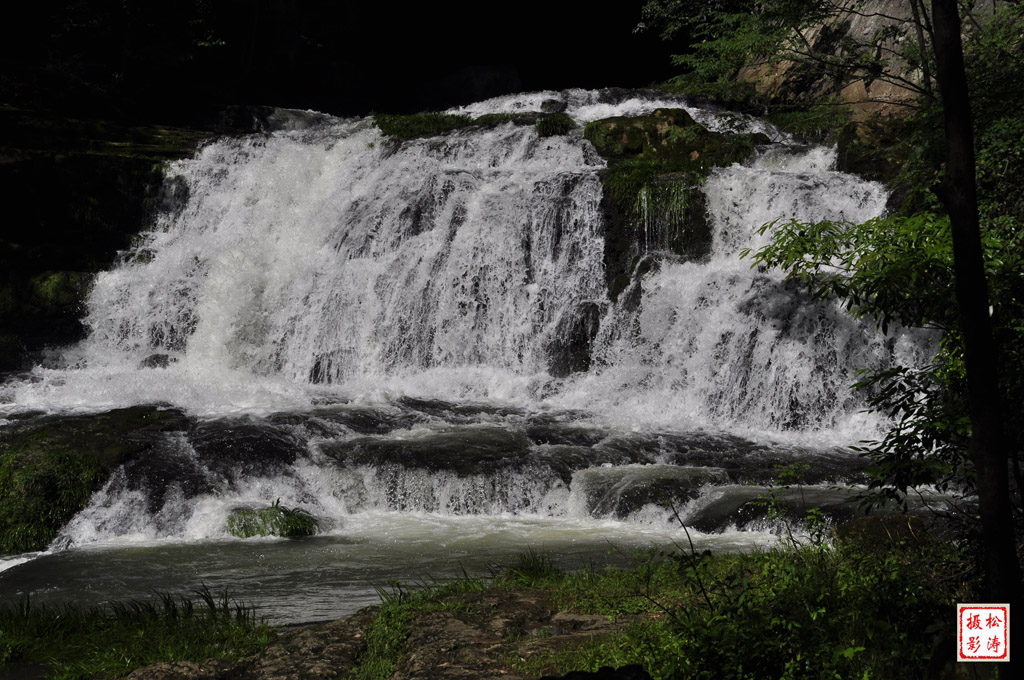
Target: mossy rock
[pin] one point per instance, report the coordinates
(489, 120)
(50, 466)
(656, 164)
(275, 520)
(419, 124)
(56, 292)
(668, 134)
(649, 207)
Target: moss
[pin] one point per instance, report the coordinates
(494, 119)
(275, 520)
(552, 124)
(650, 204)
(419, 124)
(50, 466)
(59, 290)
(652, 199)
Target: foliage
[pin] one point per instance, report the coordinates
(275, 520)
(419, 124)
(898, 271)
(818, 611)
(994, 60)
(551, 124)
(387, 633)
(819, 122)
(111, 640)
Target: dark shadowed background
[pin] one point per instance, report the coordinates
(132, 58)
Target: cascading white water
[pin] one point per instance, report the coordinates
(323, 258)
(386, 314)
(720, 344)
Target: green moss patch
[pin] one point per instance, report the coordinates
(495, 119)
(669, 135)
(275, 520)
(50, 466)
(552, 124)
(652, 199)
(419, 124)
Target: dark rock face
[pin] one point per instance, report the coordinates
(570, 350)
(464, 451)
(80, 189)
(243, 447)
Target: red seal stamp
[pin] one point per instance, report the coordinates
(983, 632)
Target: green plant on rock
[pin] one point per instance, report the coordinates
(551, 124)
(275, 520)
(403, 127)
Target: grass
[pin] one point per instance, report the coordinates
(386, 635)
(827, 610)
(552, 124)
(111, 640)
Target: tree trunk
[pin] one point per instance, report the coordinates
(958, 192)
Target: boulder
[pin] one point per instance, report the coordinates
(275, 520)
(51, 465)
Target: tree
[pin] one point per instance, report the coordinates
(958, 193)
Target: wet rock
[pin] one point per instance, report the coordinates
(740, 506)
(620, 491)
(556, 432)
(51, 466)
(245, 447)
(167, 471)
(336, 419)
(463, 450)
(156, 361)
(453, 412)
(569, 351)
(553, 106)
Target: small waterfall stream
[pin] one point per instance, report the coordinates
(365, 330)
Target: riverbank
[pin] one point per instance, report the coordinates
(875, 601)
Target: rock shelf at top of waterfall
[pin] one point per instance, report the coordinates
(320, 262)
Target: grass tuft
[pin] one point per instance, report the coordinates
(111, 640)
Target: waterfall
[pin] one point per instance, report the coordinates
(321, 261)
(414, 342)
